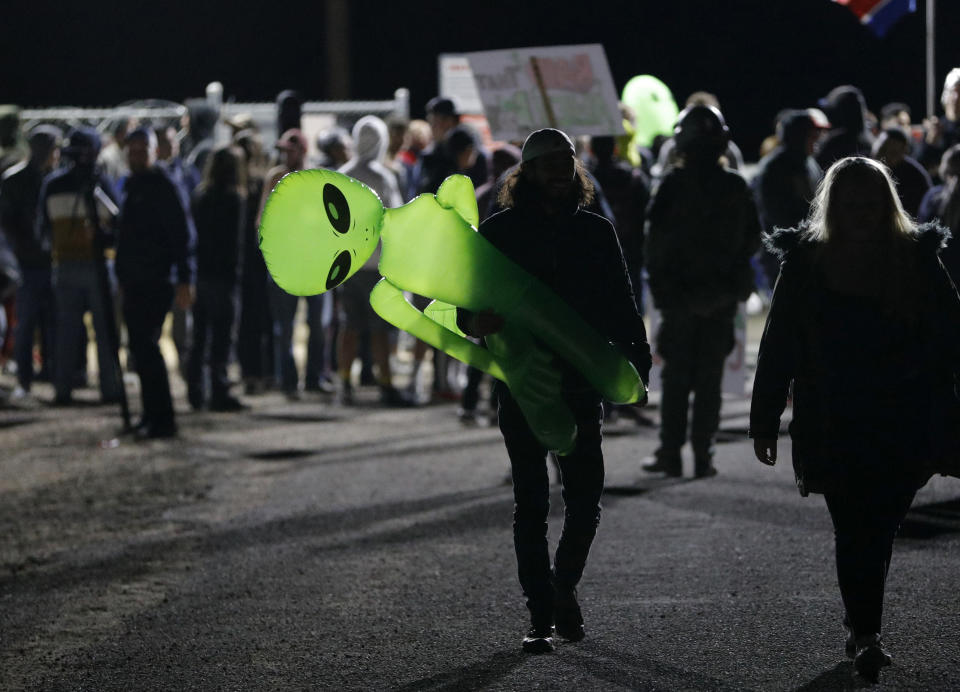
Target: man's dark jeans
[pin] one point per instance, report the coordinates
(694, 349)
(145, 306)
(582, 477)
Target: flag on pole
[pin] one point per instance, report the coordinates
(879, 15)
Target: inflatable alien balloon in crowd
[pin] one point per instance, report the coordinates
(319, 227)
(654, 107)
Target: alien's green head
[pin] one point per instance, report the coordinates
(318, 228)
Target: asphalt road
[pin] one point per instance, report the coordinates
(310, 546)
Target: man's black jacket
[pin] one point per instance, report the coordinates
(702, 229)
(577, 255)
(154, 234)
(19, 193)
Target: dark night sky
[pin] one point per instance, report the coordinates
(758, 56)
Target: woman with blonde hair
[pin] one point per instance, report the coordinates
(865, 328)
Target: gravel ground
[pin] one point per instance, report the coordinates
(309, 546)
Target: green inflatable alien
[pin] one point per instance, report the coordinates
(319, 227)
(654, 107)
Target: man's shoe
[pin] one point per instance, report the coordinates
(567, 617)
(321, 386)
(227, 403)
(850, 645)
(539, 640)
(705, 470)
(195, 397)
(391, 396)
(157, 431)
(671, 468)
(871, 657)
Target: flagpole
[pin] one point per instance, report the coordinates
(931, 73)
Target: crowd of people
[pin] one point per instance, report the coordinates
(65, 204)
(161, 220)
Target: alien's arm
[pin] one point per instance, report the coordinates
(388, 301)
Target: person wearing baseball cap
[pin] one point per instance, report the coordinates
(545, 229)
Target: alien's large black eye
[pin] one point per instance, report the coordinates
(339, 270)
(338, 211)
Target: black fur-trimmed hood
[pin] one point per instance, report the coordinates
(931, 238)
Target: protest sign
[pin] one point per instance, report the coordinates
(567, 87)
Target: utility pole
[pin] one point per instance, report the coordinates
(931, 61)
(337, 44)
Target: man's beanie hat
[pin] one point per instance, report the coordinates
(546, 141)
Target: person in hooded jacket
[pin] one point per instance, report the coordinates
(847, 110)
(702, 230)
(786, 180)
(864, 332)
(370, 143)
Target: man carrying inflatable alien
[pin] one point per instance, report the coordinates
(543, 282)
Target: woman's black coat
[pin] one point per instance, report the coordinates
(873, 395)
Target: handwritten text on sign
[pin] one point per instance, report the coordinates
(568, 87)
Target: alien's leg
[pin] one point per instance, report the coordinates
(513, 358)
(566, 333)
(389, 302)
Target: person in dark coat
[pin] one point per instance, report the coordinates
(702, 230)
(943, 203)
(847, 110)
(19, 195)
(864, 331)
(628, 192)
(155, 268)
(219, 214)
(912, 181)
(576, 254)
(786, 180)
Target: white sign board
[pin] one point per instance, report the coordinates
(456, 82)
(567, 87)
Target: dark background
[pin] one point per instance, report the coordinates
(758, 56)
